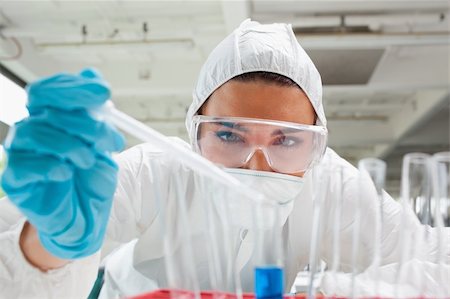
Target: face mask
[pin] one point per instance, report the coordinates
(282, 189)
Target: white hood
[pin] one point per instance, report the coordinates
(256, 47)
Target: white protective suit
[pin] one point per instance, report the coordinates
(133, 239)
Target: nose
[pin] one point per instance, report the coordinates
(258, 161)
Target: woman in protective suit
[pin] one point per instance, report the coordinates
(257, 110)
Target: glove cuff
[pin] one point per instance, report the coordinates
(82, 249)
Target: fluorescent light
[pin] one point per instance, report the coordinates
(113, 45)
(371, 41)
(393, 19)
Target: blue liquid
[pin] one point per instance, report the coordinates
(269, 282)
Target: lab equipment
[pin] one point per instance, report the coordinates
(232, 141)
(440, 208)
(178, 250)
(59, 172)
(337, 189)
(135, 209)
(209, 240)
(421, 269)
(144, 167)
(416, 185)
(322, 180)
(269, 264)
(441, 178)
(376, 170)
(277, 194)
(356, 231)
(416, 194)
(269, 282)
(416, 198)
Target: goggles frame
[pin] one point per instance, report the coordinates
(321, 130)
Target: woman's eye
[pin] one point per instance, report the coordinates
(228, 136)
(287, 141)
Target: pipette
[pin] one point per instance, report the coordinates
(181, 153)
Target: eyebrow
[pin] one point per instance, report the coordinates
(233, 126)
(284, 131)
(241, 128)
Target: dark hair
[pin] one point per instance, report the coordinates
(260, 76)
(266, 77)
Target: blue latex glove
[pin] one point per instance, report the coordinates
(59, 172)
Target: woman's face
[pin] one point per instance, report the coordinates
(260, 100)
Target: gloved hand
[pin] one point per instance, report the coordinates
(60, 173)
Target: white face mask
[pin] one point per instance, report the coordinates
(280, 188)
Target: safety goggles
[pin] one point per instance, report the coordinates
(232, 141)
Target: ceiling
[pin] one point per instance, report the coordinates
(385, 64)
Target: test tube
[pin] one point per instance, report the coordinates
(268, 270)
(337, 189)
(441, 213)
(441, 209)
(376, 169)
(214, 226)
(416, 185)
(415, 197)
(182, 277)
(321, 179)
(181, 273)
(356, 236)
(226, 238)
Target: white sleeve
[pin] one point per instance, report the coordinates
(19, 279)
(140, 169)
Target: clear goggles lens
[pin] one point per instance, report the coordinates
(232, 141)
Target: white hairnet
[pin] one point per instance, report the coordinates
(256, 47)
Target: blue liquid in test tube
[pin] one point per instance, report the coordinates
(269, 282)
